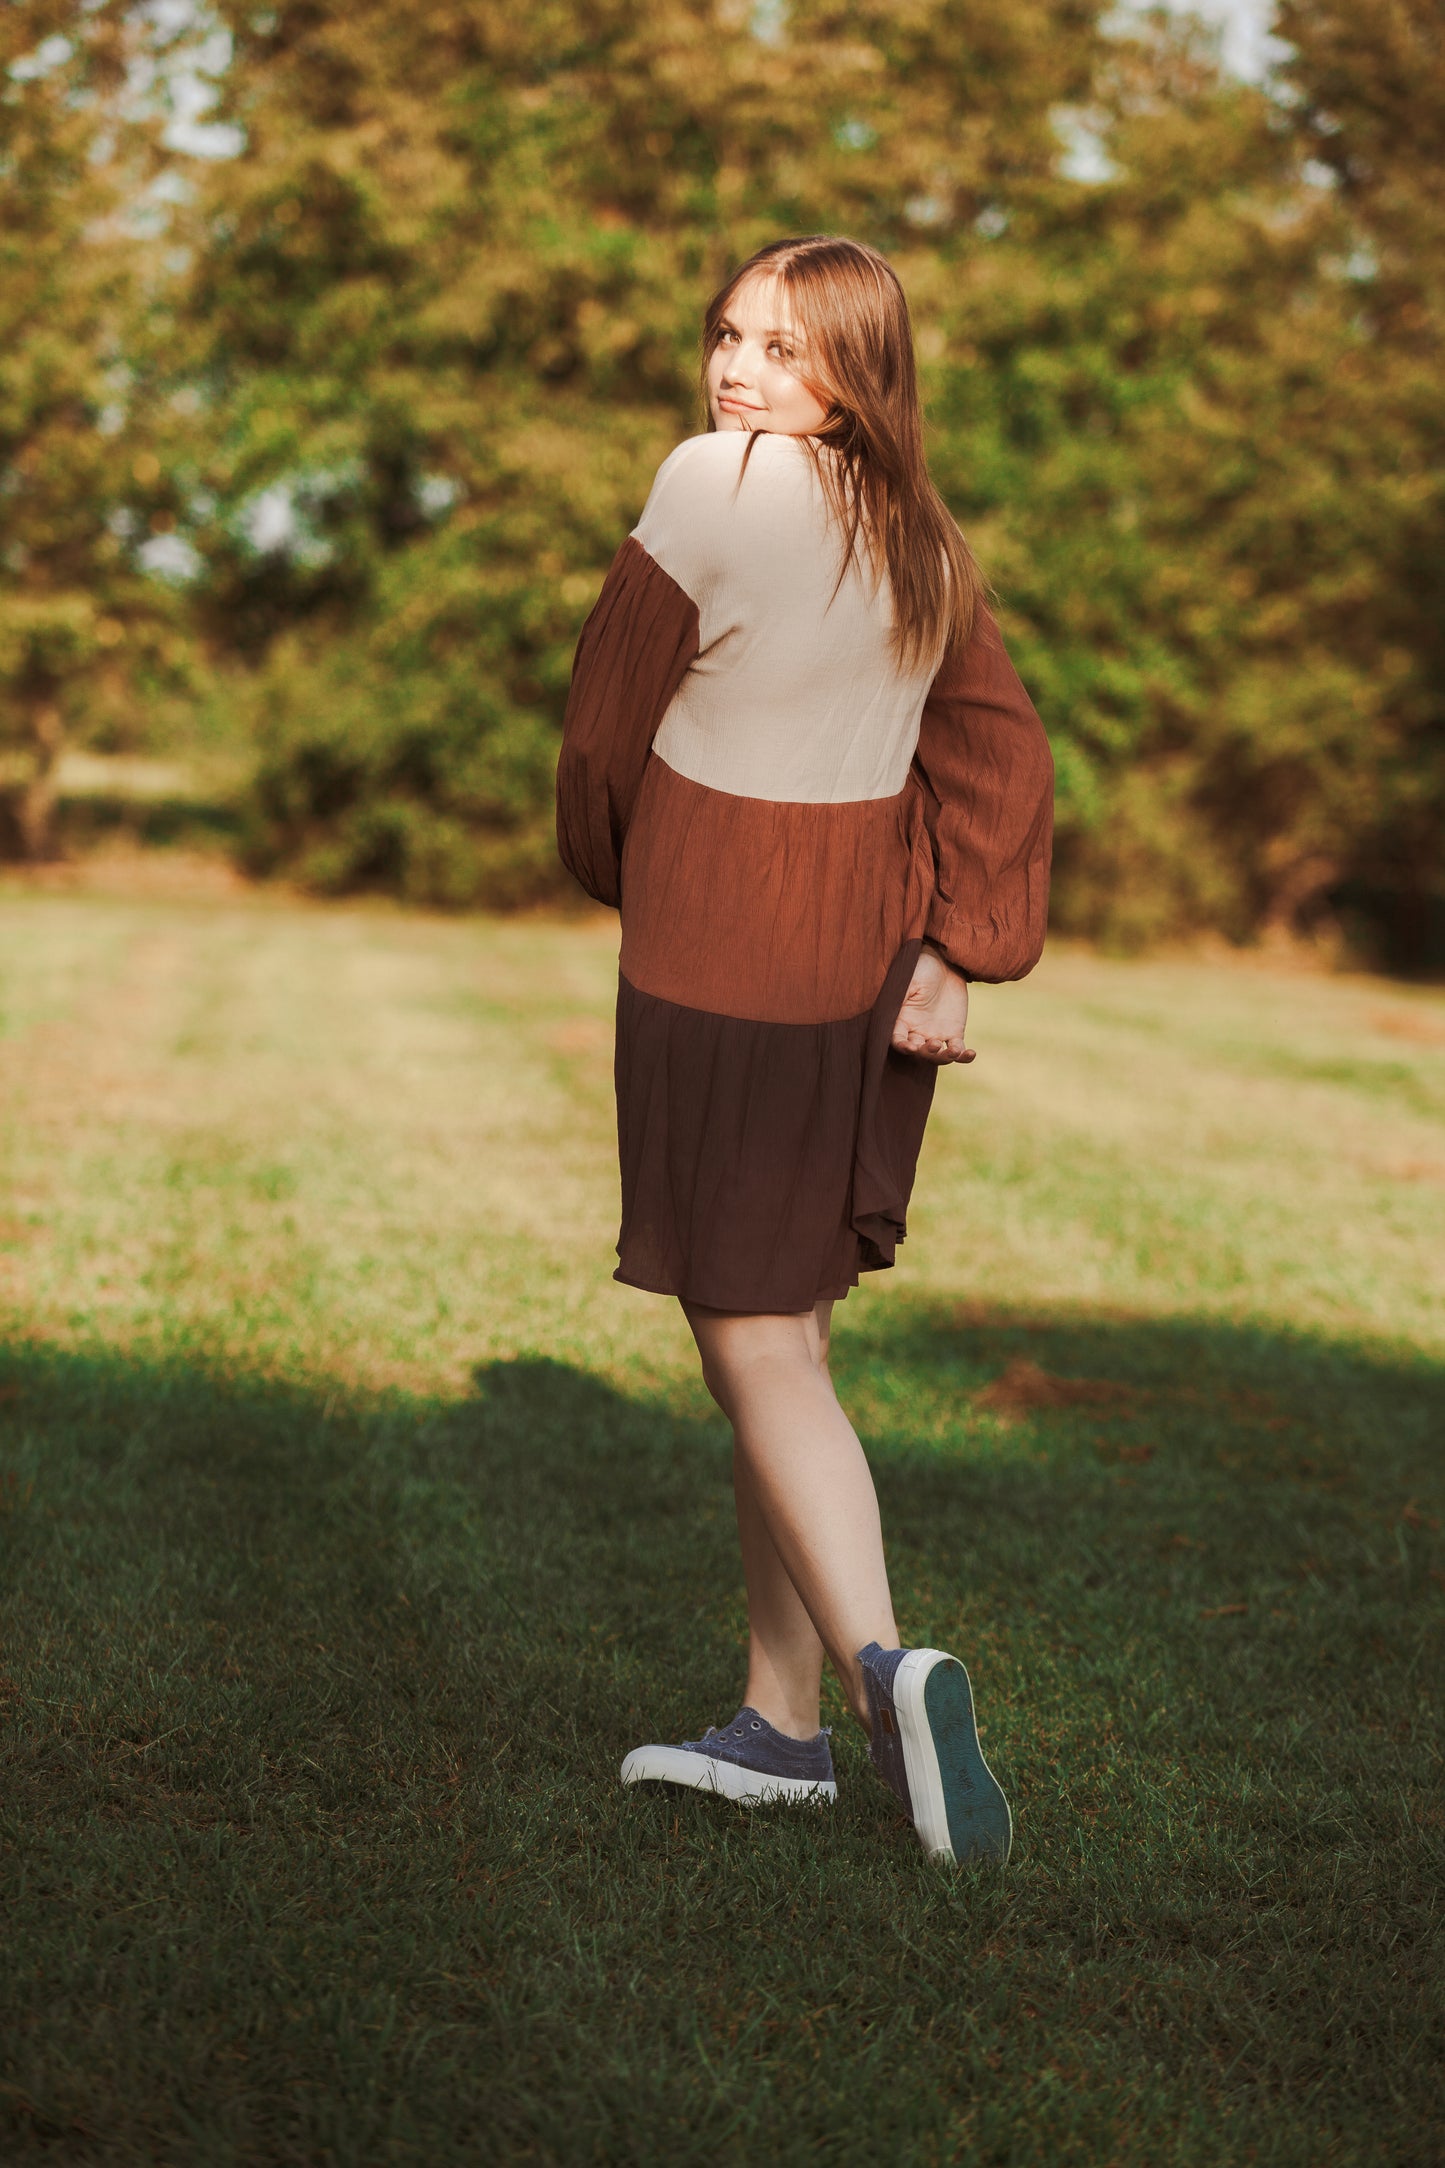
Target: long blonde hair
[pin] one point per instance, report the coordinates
(846, 301)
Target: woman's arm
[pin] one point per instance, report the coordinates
(986, 774)
(634, 650)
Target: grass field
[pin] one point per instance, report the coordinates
(356, 1523)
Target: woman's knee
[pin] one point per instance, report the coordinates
(734, 1346)
(715, 1381)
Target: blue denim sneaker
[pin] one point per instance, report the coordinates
(925, 1744)
(747, 1761)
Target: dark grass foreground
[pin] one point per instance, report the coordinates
(313, 1849)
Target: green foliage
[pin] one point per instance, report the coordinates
(454, 284)
(399, 757)
(84, 635)
(1369, 87)
(427, 335)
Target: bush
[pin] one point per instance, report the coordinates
(415, 758)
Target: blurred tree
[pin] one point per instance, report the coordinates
(81, 626)
(1146, 421)
(1366, 85)
(1180, 339)
(446, 308)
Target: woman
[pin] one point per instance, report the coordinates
(799, 760)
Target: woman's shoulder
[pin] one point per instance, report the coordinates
(715, 461)
(706, 491)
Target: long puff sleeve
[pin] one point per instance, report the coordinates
(986, 775)
(633, 653)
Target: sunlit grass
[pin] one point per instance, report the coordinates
(395, 1134)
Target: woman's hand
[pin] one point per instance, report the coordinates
(934, 1015)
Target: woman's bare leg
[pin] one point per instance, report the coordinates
(807, 1513)
(785, 1656)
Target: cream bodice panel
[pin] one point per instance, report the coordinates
(795, 693)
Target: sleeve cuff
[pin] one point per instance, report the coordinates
(931, 940)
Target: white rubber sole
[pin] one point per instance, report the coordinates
(701, 1773)
(959, 1809)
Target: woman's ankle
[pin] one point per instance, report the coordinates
(793, 1720)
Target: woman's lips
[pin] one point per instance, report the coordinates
(741, 405)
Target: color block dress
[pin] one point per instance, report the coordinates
(782, 815)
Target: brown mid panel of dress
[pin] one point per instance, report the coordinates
(768, 1132)
(762, 943)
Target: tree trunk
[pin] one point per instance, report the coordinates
(35, 805)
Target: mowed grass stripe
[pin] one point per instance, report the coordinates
(355, 1523)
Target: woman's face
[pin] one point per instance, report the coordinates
(755, 373)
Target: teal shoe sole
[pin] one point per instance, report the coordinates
(959, 1809)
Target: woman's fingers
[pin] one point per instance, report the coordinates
(936, 1049)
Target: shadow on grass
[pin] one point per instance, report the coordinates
(314, 1850)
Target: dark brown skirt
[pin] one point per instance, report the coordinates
(765, 1166)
